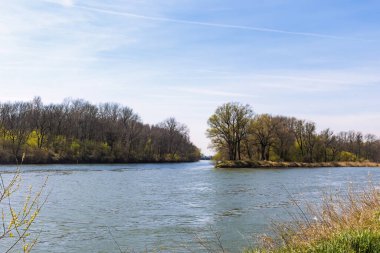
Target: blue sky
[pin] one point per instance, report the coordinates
(317, 60)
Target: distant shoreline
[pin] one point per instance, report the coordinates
(269, 164)
(96, 163)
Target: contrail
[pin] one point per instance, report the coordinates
(219, 25)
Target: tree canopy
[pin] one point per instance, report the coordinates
(236, 134)
(78, 131)
(228, 127)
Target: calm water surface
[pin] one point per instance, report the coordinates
(165, 206)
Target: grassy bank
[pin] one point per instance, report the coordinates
(269, 164)
(342, 223)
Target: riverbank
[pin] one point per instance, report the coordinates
(269, 164)
(346, 222)
(70, 162)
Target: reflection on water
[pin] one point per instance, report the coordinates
(162, 206)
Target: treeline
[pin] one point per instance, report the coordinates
(237, 133)
(77, 131)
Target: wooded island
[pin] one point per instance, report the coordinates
(243, 139)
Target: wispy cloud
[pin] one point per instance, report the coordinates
(291, 80)
(217, 25)
(348, 122)
(66, 3)
(209, 92)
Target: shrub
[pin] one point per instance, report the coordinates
(342, 223)
(16, 221)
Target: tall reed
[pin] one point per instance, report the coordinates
(347, 222)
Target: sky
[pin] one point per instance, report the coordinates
(316, 60)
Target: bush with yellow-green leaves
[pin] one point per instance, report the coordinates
(18, 218)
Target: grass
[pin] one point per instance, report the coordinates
(364, 241)
(342, 223)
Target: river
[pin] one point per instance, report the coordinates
(168, 207)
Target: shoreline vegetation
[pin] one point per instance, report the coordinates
(342, 222)
(242, 138)
(76, 131)
(270, 164)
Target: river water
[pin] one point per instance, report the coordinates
(170, 207)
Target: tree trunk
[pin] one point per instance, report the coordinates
(263, 152)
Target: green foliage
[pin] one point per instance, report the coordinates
(274, 156)
(104, 147)
(32, 140)
(345, 156)
(75, 146)
(74, 150)
(228, 127)
(237, 134)
(350, 242)
(343, 223)
(77, 132)
(357, 241)
(218, 156)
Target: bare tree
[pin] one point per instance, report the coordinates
(228, 127)
(327, 139)
(262, 129)
(78, 131)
